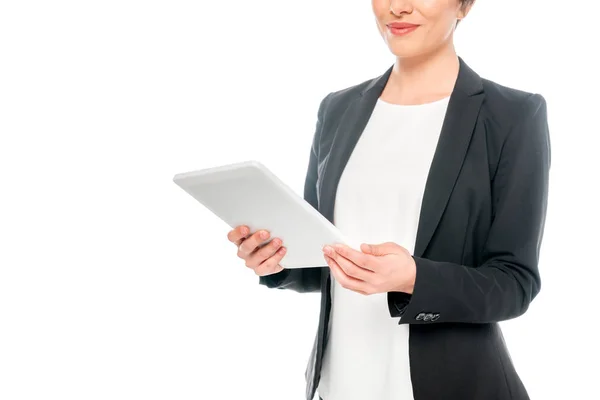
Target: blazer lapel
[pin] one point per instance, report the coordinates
(352, 124)
(463, 108)
(457, 129)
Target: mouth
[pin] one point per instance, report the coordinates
(401, 28)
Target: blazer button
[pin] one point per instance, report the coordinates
(427, 317)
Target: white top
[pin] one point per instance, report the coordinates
(378, 200)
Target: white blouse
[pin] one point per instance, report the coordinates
(378, 200)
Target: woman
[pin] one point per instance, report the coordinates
(443, 176)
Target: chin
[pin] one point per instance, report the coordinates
(406, 51)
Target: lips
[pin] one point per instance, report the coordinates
(401, 28)
(401, 25)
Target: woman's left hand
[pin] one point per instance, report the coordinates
(381, 268)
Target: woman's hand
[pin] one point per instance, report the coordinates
(263, 260)
(382, 268)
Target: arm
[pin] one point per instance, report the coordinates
(504, 285)
(303, 279)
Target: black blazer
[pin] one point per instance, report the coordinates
(479, 233)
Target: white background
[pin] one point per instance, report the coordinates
(115, 284)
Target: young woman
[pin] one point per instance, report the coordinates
(443, 176)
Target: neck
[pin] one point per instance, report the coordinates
(424, 78)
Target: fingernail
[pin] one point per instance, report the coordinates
(264, 235)
(327, 250)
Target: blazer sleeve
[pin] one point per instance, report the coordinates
(303, 279)
(504, 285)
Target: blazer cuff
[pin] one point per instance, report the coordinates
(274, 280)
(397, 303)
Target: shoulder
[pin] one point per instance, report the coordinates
(351, 91)
(507, 105)
(337, 100)
(503, 106)
(514, 119)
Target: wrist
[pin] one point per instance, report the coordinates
(408, 280)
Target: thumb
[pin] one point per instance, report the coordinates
(379, 249)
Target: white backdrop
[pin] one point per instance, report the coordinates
(115, 284)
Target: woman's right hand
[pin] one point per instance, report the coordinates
(263, 260)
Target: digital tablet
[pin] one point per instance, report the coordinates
(248, 193)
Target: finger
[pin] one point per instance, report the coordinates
(251, 243)
(236, 235)
(382, 249)
(271, 264)
(344, 280)
(352, 269)
(238, 243)
(358, 258)
(263, 253)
